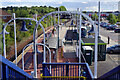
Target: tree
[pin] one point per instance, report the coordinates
(9, 11)
(22, 13)
(62, 8)
(112, 18)
(84, 11)
(94, 17)
(119, 18)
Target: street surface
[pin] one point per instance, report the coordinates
(113, 36)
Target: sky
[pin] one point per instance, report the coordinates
(71, 5)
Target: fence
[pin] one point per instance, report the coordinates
(67, 70)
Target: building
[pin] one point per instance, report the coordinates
(5, 16)
(119, 6)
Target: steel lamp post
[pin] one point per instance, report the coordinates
(35, 67)
(14, 34)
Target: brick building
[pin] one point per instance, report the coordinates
(5, 16)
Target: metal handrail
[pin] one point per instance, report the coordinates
(81, 64)
(9, 66)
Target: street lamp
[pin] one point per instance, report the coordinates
(15, 35)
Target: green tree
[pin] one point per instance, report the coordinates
(22, 13)
(62, 8)
(94, 17)
(9, 11)
(112, 18)
(119, 18)
(84, 11)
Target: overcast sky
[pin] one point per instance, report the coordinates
(72, 5)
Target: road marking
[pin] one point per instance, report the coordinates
(113, 59)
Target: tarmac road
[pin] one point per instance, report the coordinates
(114, 36)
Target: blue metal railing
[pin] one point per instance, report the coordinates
(67, 70)
(114, 74)
(11, 71)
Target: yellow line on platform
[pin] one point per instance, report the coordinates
(63, 77)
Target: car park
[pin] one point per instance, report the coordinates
(113, 49)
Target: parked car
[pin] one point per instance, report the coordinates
(115, 26)
(117, 30)
(110, 27)
(105, 25)
(113, 49)
(101, 24)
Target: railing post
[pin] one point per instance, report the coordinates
(43, 69)
(67, 69)
(6, 71)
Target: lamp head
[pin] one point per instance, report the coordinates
(23, 26)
